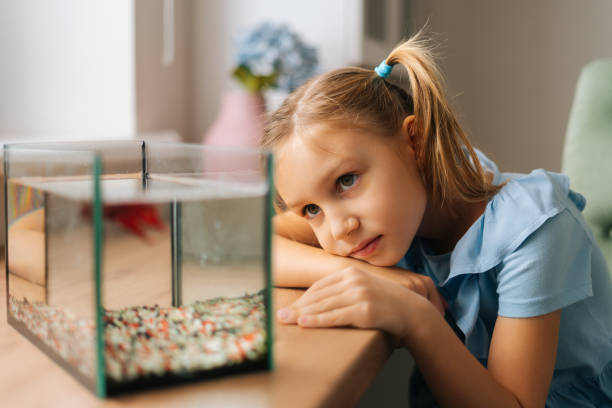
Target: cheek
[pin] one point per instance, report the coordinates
(323, 237)
(405, 207)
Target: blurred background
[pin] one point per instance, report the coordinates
(159, 69)
(127, 68)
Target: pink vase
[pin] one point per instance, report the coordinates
(239, 122)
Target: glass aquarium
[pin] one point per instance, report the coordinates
(136, 264)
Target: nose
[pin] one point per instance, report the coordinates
(343, 226)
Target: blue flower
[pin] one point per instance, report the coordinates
(272, 50)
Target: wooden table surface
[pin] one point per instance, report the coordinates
(314, 367)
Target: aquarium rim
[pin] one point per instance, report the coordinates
(74, 145)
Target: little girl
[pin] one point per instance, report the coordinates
(394, 221)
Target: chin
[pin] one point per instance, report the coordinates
(384, 260)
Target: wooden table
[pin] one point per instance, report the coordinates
(314, 367)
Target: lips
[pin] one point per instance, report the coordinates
(366, 247)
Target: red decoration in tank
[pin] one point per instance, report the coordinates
(133, 217)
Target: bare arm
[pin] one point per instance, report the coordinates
(521, 356)
(298, 261)
(520, 367)
(300, 265)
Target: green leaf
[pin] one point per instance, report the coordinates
(253, 83)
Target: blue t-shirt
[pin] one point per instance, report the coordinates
(531, 253)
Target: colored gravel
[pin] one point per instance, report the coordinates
(152, 340)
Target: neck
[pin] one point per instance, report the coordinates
(443, 228)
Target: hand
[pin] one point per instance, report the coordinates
(421, 284)
(353, 297)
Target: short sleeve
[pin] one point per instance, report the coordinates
(550, 270)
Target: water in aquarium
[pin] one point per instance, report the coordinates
(182, 273)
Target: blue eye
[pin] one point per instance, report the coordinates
(347, 181)
(311, 210)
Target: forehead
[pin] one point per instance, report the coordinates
(319, 142)
(305, 159)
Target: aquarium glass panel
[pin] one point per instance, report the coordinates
(49, 256)
(161, 249)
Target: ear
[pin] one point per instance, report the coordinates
(408, 132)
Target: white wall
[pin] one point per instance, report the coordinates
(163, 95)
(512, 69)
(331, 26)
(87, 68)
(67, 68)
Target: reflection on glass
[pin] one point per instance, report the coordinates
(184, 265)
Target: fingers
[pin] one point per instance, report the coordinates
(436, 300)
(313, 295)
(425, 286)
(444, 303)
(327, 280)
(328, 298)
(322, 293)
(343, 316)
(432, 294)
(326, 286)
(340, 300)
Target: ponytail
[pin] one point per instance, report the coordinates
(449, 165)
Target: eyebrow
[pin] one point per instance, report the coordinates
(279, 203)
(334, 169)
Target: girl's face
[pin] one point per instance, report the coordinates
(361, 193)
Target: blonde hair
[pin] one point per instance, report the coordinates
(359, 98)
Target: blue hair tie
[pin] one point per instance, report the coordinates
(383, 70)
